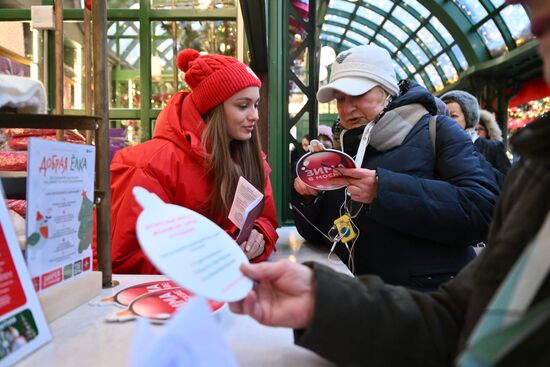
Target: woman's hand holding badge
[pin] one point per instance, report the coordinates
(361, 183)
(254, 246)
(303, 189)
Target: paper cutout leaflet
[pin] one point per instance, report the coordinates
(191, 249)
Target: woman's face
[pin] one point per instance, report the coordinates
(481, 131)
(355, 111)
(456, 113)
(241, 113)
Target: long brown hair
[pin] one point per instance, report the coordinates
(230, 159)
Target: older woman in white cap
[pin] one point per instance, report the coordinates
(415, 203)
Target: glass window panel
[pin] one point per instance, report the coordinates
(385, 5)
(448, 68)
(424, 13)
(123, 4)
(333, 29)
(386, 43)
(395, 31)
(472, 8)
(497, 3)
(300, 68)
(357, 37)
(430, 41)
(24, 46)
(129, 29)
(368, 14)
(518, 23)
(417, 52)
(192, 4)
(400, 72)
(442, 30)
(336, 19)
(406, 62)
(17, 5)
(363, 28)
(435, 78)
(348, 44)
(132, 130)
(460, 57)
(492, 38)
(406, 18)
(419, 80)
(124, 65)
(120, 4)
(342, 5)
(330, 38)
(217, 37)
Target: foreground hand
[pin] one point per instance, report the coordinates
(254, 246)
(283, 294)
(303, 189)
(361, 183)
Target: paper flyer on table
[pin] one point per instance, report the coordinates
(190, 249)
(60, 191)
(23, 327)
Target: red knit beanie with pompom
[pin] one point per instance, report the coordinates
(214, 78)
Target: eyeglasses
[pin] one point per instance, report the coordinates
(481, 128)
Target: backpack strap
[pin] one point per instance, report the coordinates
(433, 134)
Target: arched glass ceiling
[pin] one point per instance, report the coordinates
(431, 41)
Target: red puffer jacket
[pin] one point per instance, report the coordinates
(173, 166)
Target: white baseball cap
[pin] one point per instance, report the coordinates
(358, 70)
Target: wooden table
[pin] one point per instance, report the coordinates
(82, 337)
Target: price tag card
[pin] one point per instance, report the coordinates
(191, 249)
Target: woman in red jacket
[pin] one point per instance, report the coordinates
(203, 142)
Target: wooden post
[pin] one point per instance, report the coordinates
(101, 109)
(58, 37)
(87, 71)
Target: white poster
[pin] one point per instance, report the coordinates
(60, 191)
(23, 327)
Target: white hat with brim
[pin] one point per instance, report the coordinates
(351, 86)
(358, 70)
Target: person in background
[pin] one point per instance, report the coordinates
(204, 141)
(464, 109)
(487, 126)
(325, 136)
(416, 215)
(362, 321)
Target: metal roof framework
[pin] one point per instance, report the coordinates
(436, 42)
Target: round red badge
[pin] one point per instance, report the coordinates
(319, 168)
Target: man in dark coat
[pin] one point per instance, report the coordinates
(425, 210)
(363, 321)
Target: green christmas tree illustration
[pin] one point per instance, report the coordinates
(85, 219)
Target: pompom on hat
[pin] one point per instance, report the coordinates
(214, 78)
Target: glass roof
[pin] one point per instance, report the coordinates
(419, 33)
